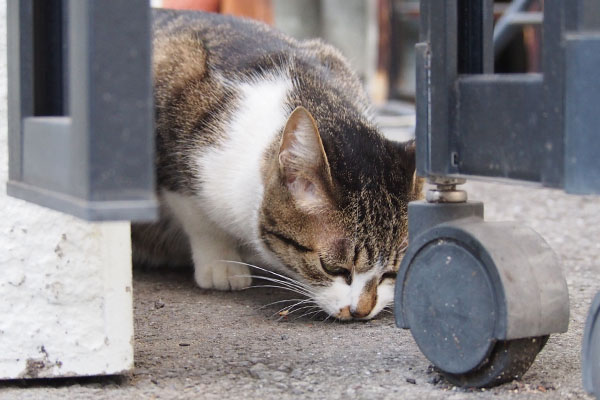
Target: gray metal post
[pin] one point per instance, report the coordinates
(507, 126)
(93, 154)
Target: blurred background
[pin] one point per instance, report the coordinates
(378, 37)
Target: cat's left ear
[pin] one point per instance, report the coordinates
(303, 163)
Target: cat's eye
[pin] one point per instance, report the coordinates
(335, 271)
(388, 275)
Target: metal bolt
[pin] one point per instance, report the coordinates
(445, 190)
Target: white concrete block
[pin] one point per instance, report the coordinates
(65, 284)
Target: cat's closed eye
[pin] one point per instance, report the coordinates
(336, 271)
(388, 275)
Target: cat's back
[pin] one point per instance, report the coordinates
(211, 69)
(242, 48)
(234, 44)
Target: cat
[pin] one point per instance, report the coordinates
(267, 153)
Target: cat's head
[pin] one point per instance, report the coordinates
(334, 212)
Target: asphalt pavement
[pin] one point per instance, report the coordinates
(196, 344)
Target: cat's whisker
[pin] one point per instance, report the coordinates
(287, 308)
(308, 313)
(322, 312)
(284, 286)
(290, 281)
(277, 302)
(311, 306)
(301, 308)
(389, 309)
(276, 287)
(316, 314)
(288, 284)
(283, 312)
(404, 246)
(293, 311)
(287, 278)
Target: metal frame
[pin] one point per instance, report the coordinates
(528, 127)
(80, 107)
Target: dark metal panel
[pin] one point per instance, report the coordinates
(422, 60)
(499, 126)
(582, 141)
(450, 32)
(20, 83)
(97, 163)
(590, 15)
(488, 36)
(118, 114)
(91, 211)
(48, 57)
(583, 15)
(436, 20)
(552, 96)
(79, 101)
(470, 28)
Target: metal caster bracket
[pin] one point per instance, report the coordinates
(480, 298)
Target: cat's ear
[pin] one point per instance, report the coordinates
(303, 163)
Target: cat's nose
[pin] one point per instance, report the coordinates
(358, 313)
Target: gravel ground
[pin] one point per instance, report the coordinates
(192, 343)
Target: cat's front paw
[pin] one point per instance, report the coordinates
(222, 275)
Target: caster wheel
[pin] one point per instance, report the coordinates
(508, 360)
(480, 299)
(591, 350)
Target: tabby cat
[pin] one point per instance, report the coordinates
(267, 153)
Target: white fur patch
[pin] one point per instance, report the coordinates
(335, 297)
(232, 187)
(210, 245)
(385, 296)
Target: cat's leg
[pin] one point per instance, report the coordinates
(214, 252)
(215, 260)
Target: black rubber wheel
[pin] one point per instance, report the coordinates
(508, 360)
